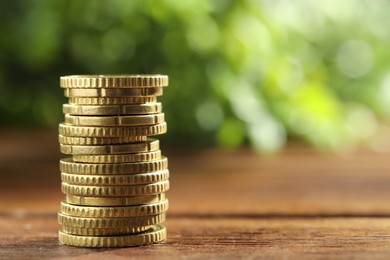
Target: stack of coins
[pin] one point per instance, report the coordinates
(116, 178)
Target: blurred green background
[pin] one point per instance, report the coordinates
(243, 72)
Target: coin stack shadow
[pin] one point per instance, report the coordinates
(116, 178)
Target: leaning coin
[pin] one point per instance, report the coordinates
(112, 92)
(113, 81)
(73, 140)
(69, 166)
(118, 158)
(114, 201)
(108, 132)
(111, 101)
(137, 120)
(142, 109)
(111, 180)
(115, 191)
(138, 221)
(157, 234)
(102, 231)
(140, 147)
(114, 212)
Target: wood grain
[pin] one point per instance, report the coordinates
(223, 204)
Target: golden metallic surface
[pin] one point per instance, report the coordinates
(108, 132)
(69, 166)
(112, 92)
(72, 140)
(102, 231)
(104, 121)
(142, 109)
(138, 221)
(114, 212)
(113, 81)
(116, 179)
(112, 180)
(114, 201)
(118, 158)
(111, 101)
(157, 234)
(140, 147)
(115, 191)
(137, 120)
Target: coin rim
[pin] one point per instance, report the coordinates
(112, 201)
(114, 212)
(137, 109)
(114, 81)
(115, 191)
(113, 92)
(138, 178)
(135, 120)
(111, 131)
(150, 145)
(157, 234)
(84, 222)
(69, 166)
(102, 231)
(75, 140)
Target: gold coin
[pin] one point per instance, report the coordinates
(114, 212)
(73, 140)
(69, 166)
(142, 109)
(111, 180)
(111, 101)
(138, 120)
(113, 81)
(112, 92)
(156, 234)
(138, 221)
(118, 201)
(108, 132)
(115, 191)
(140, 147)
(118, 158)
(102, 231)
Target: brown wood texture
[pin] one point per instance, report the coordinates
(223, 204)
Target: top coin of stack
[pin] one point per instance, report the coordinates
(116, 179)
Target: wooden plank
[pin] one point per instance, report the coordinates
(214, 182)
(298, 204)
(200, 238)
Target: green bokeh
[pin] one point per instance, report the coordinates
(241, 72)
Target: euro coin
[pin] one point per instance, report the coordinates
(102, 231)
(81, 222)
(114, 201)
(114, 212)
(113, 81)
(73, 140)
(115, 191)
(136, 120)
(108, 132)
(69, 166)
(112, 180)
(142, 109)
(113, 92)
(111, 101)
(140, 147)
(118, 158)
(156, 234)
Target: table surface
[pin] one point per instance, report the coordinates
(223, 204)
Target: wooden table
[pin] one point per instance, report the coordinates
(223, 204)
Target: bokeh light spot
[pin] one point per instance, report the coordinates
(355, 58)
(209, 115)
